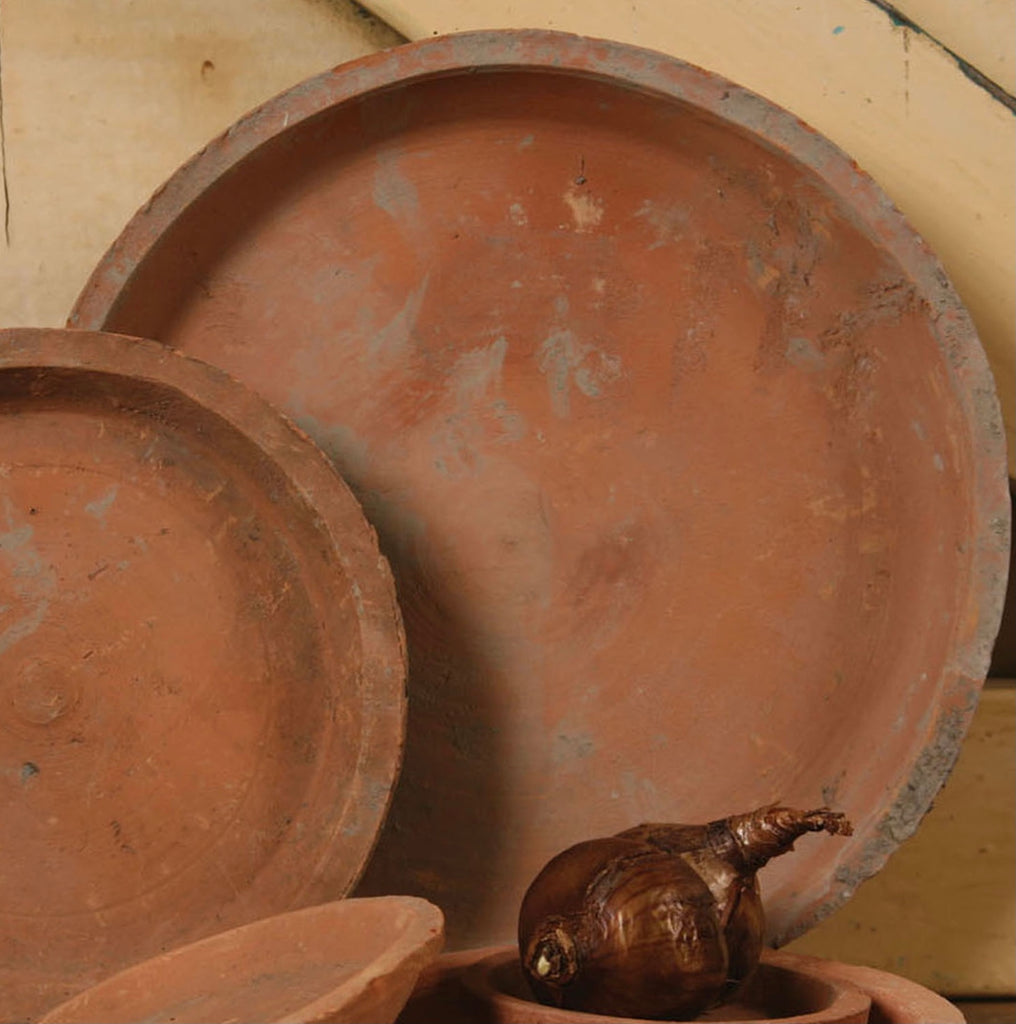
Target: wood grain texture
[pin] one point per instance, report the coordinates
(103, 100)
(980, 32)
(942, 147)
(943, 911)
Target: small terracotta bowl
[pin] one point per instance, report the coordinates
(348, 961)
(782, 991)
(441, 993)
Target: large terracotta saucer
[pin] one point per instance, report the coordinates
(201, 662)
(684, 450)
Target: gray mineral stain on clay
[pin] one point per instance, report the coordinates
(98, 508)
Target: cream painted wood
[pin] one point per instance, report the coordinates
(982, 32)
(941, 146)
(943, 910)
(102, 100)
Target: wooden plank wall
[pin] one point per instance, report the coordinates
(942, 911)
(101, 101)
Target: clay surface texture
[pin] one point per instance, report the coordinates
(201, 662)
(684, 452)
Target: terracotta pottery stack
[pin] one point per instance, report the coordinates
(684, 455)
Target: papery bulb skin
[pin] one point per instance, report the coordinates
(644, 936)
(659, 922)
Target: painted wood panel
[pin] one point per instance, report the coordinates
(943, 910)
(982, 32)
(943, 148)
(102, 100)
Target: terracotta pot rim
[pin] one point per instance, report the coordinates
(887, 991)
(894, 999)
(847, 999)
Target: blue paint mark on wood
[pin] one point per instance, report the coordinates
(900, 20)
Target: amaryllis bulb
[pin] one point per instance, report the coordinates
(660, 921)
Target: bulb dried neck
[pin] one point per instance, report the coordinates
(770, 831)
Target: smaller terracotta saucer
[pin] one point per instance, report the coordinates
(202, 663)
(784, 990)
(348, 961)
